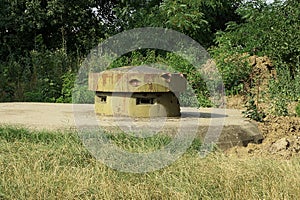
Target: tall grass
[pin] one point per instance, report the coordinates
(54, 165)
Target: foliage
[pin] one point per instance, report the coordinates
(233, 66)
(39, 76)
(40, 42)
(44, 42)
(67, 88)
(54, 36)
(48, 24)
(271, 30)
(253, 112)
(198, 19)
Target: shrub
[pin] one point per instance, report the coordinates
(270, 30)
(253, 112)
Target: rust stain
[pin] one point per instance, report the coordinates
(150, 77)
(104, 77)
(150, 86)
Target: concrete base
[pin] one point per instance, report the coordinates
(227, 127)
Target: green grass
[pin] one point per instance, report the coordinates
(55, 165)
(297, 109)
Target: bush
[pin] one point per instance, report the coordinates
(39, 76)
(270, 30)
(67, 88)
(253, 112)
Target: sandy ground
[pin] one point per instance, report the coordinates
(37, 115)
(281, 134)
(229, 123)
(56, 116)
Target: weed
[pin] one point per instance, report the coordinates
(252, 111)
(298, 109)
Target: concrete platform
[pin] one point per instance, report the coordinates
(226, 127)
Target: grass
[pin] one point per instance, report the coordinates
(55, 165)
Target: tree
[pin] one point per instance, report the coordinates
(199, 19)
(50, 24)
(43, 39)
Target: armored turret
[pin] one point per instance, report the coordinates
(137, 91)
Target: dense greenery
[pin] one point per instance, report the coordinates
(44, 42)
(41, 42)
(268, 29)
(271, 30)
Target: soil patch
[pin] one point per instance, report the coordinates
(281, 139)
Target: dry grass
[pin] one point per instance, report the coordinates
(42, 165)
